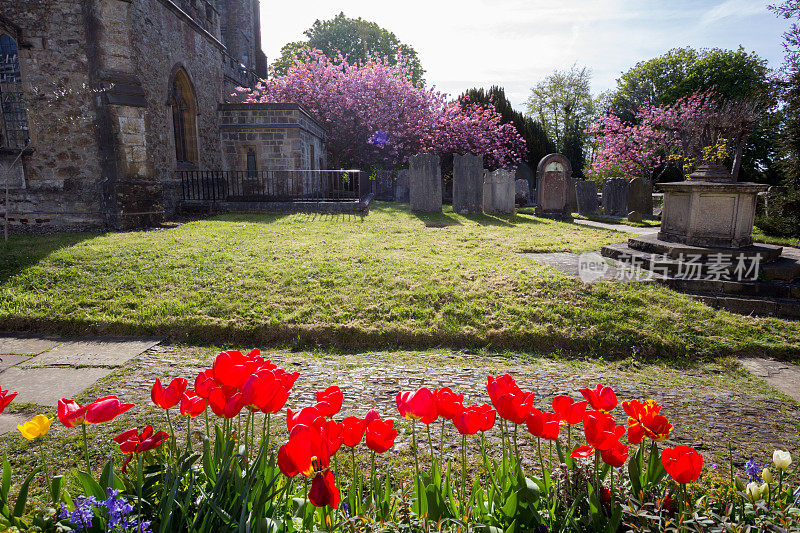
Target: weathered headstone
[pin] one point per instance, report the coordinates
(634, 216)
(467, 183)
(425, 183)
(615, 197)
(640, 197)
(384, 186)
(572, 199)
(525, 172)
(522, 192)
(498, 192)
(586, 196)
(553, 177)
(401, 187)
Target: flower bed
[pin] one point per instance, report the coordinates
(229, 474)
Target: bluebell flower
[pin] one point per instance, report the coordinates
(753, 470)
(82, 514)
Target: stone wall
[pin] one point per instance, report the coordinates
(61, 187)
(283, 137)
(164, 42)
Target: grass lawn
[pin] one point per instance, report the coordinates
(386, 280)
(760, 236)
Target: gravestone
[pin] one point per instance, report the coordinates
(586, 196)
(467, 184)
(498, 192)
(615, 197)
(425, 183)
(640, 197)
(525, 172)
(401, 187)
(553, 177)
(383, 186)
(572, 198)
(522, 192)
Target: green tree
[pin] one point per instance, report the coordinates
(538, 144)
(355, 38)
(562, 100)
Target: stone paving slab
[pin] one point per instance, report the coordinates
(617, 227)
(95, 352)
(8, 361)
(9, 422)
(45, 386)
(603, 269)
(783, 376)
(25, 344)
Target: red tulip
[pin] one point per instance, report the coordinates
(5, 399)
(448, 403)
(682, 463)
(417, 405)
(192, 405)
(568, 409)
(543, 425)
(169, 397)
(508, 399)
(132, 441)
(329, 401)
(474, 418)
(644, 419)
(353, 431)
(105, 409)
(334, 432)
(306, 451)
(381, 435)
(266, 391)
(71, 413)
(601, 433)
(231, 368)
(306, 416)
(615, 456)
(601, 398)
(605, 496)
(371, 415)
(324, 490)
(204, 383)
(223, 405)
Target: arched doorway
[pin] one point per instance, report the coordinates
(184, 119)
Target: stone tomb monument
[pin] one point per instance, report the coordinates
(586, 196)
(553, 176)
(615, 197)
(467, 184)
(383, 186)
(640, 197)
(498, 192)
(425, 183)
(401, 187)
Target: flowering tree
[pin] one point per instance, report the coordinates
(681, 132)
(376, 115)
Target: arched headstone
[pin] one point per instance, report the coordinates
(553, 179)
(640, 197)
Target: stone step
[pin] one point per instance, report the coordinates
(778, 307)
(754, 289)
(784, 269)
(652, 244)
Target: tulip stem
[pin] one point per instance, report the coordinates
(173, 437)
(780, 482)
(246, 435)
(188, 434)
(463, 476)
(139, 483)
(416, 463)
(487, 464)
(208, 430)
(372, 479)
(86, 449)
(516, 448)
(44, 463)
(265, 434)
(541, 460)
(441, 450)
(611, 506)
(430, 444)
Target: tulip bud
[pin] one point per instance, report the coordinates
(766, 475)
(764, 491)
(781, 459)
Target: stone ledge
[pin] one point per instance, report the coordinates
(651, 243)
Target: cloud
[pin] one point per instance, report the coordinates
(732, 9)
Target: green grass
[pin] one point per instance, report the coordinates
(385, 280)
(760, 236)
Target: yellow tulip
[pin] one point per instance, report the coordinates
(36, 428)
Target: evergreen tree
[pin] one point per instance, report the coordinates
(536, 139)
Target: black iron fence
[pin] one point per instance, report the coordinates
(270, 185)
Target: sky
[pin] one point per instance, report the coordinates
(516, 43)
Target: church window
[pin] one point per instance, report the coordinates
(184, 119)
(14, 133)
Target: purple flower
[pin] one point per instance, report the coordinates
(82, 514)
(753, 470)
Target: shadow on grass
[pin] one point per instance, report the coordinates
(437, 220)
(23, 251)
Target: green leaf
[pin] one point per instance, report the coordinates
(22, 498)
(512, 528)
(6, 483)
(530, 492)
(635, 472)
(90, 486)
(510, 506)
(55, 489)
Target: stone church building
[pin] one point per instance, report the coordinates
(104, 100)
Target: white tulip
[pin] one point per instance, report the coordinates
(766, 475)
(753, 491)
(781, 459)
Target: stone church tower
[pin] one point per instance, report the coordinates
(103, 100)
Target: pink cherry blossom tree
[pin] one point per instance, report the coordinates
(671, 134)
(376, 115)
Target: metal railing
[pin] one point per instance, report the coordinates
(270, 185)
